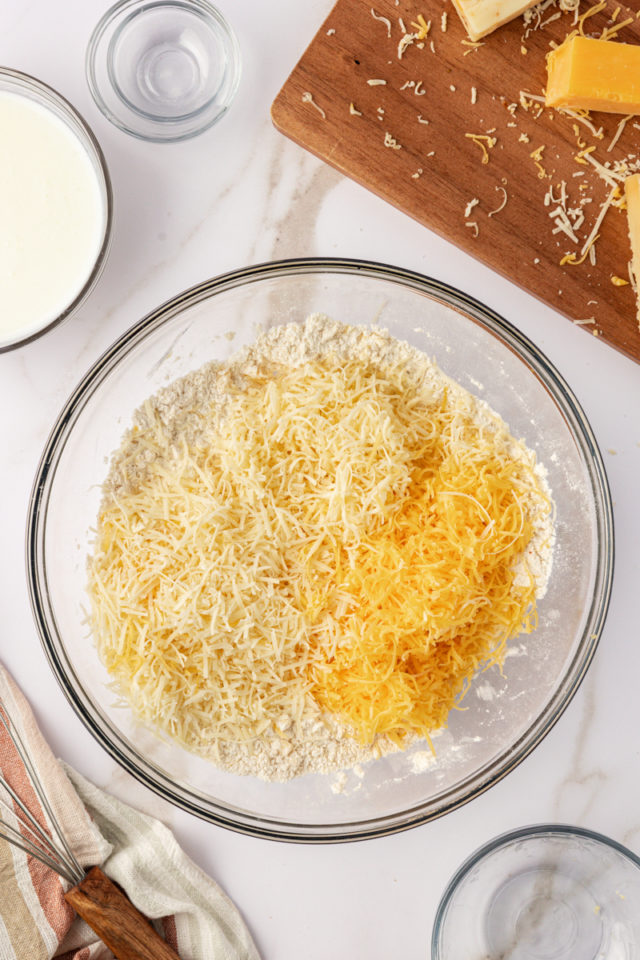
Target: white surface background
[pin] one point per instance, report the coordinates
(242, 194)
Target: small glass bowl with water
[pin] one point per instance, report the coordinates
(163, 70)
(548, 892)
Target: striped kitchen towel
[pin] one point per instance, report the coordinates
(187, 907)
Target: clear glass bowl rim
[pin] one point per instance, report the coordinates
(195, 802)
(27, 81)
(504, 840)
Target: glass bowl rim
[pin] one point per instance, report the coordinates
(27, 80)
(163, 134)
(194, 801)
(509, 837)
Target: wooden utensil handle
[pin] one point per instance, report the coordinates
(108, 911)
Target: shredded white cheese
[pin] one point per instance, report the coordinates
(384, 20)
(502, 205)
(405, 42)
(591, 239)
(618, 133)
(391, 142)
(308, 98)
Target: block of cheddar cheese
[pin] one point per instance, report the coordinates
(632, 196)
(481, 17)
(588, 74)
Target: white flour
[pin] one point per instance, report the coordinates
(318, 744)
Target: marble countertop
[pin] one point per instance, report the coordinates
(242, 194)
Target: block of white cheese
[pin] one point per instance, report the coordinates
(481, 17)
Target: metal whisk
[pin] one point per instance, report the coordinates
(102, 904)
(53, 851)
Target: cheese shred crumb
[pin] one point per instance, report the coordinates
(384, 20)
(536, 156)
(469, 207)
(308, 98)
(502, 205)
(421, 27)
(485, 143)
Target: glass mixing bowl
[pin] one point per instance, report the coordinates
(505, 716)
(548, 892)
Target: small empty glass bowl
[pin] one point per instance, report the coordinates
(546, 892)
(164, 70)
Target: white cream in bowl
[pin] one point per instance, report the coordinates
(52, 217)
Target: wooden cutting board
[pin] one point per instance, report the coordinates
(445, 176)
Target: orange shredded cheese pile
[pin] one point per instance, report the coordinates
(435, 588)
(343, 533)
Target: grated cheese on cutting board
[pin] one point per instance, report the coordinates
(317, 543)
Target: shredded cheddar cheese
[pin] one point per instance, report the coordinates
(485, 143)
(596, 8)
(435, 588)
(574, 261)
(421, 27)
(536, 156)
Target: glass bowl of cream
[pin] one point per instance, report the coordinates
(56, 202)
